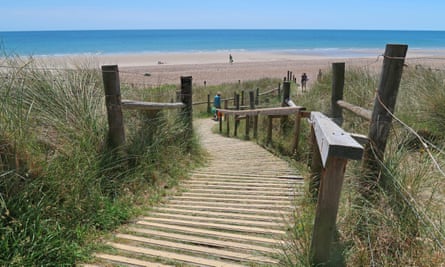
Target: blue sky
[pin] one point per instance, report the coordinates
(221, 14)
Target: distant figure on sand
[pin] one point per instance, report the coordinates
(304, 79)
(320, 74)
(230, 59)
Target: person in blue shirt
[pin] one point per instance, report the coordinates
(216, 105)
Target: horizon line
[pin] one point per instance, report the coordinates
(216, 29)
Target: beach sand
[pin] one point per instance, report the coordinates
(153, 69)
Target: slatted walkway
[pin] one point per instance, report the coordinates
(231, 213)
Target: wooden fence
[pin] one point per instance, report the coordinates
(332, 146)
(330, 172)
(114, 103)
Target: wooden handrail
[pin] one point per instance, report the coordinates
(281, 111)
(359, 111)
(333, 141)
(140, 105)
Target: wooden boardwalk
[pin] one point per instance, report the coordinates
(231, 212)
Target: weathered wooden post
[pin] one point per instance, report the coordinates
(242, 98)
(286, 93)
(384, 104)
(338, 83)
(279, 90)
(209, 108)
(226, 117)
(237, 107)
(248, 117)
(316, 167)
(335, 147)
(116, 132)
(286, 97)
(269, 129)
(297, 129)
(257, 97)
(186, 98)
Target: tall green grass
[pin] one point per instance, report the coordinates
(60, 186)
(404, 226)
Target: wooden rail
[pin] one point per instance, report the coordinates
(140, 105)
(288, 108)
(359, 111)
(114, 104)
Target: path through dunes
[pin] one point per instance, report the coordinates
(230, 214)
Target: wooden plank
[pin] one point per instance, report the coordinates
(219, 226)
(140, 105)
(243, 222)
(231, 209)
(172, 255)
(204, 240)
(244, 192)
(253, 176)
(264, 111)
(333, 141)
(219, 234)
(220, 214)
(237, 256)
(359, 111)
(263, 207)
(235, 199)
(248, 186)
(240, 197)
(131, 261)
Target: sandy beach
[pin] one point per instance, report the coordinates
(152, 69)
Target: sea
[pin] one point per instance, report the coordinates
(325, 42)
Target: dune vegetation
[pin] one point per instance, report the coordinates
(61, 187)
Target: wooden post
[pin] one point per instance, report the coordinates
(257, 98)
(228, 124)
(252, 99)
(338, 83)
(335, 148)
(237, 107)
(186, 98)
(384, 104)
(209, 108)
(327, 208)
(247, 129)
(242, 98)
(116, 132)
(269, 129)
(316, 167)
(234, 99)
(226, 116)
(297, 130)
(286, 93)
(279, 90)
(286, 97)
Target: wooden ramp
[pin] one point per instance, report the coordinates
(232, 212)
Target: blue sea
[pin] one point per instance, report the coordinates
(329, 42)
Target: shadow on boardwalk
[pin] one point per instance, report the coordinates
(231, 213)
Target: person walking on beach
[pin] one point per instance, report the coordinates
(320, 74)
(230, 59)
(216, 105)
(304, 79)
